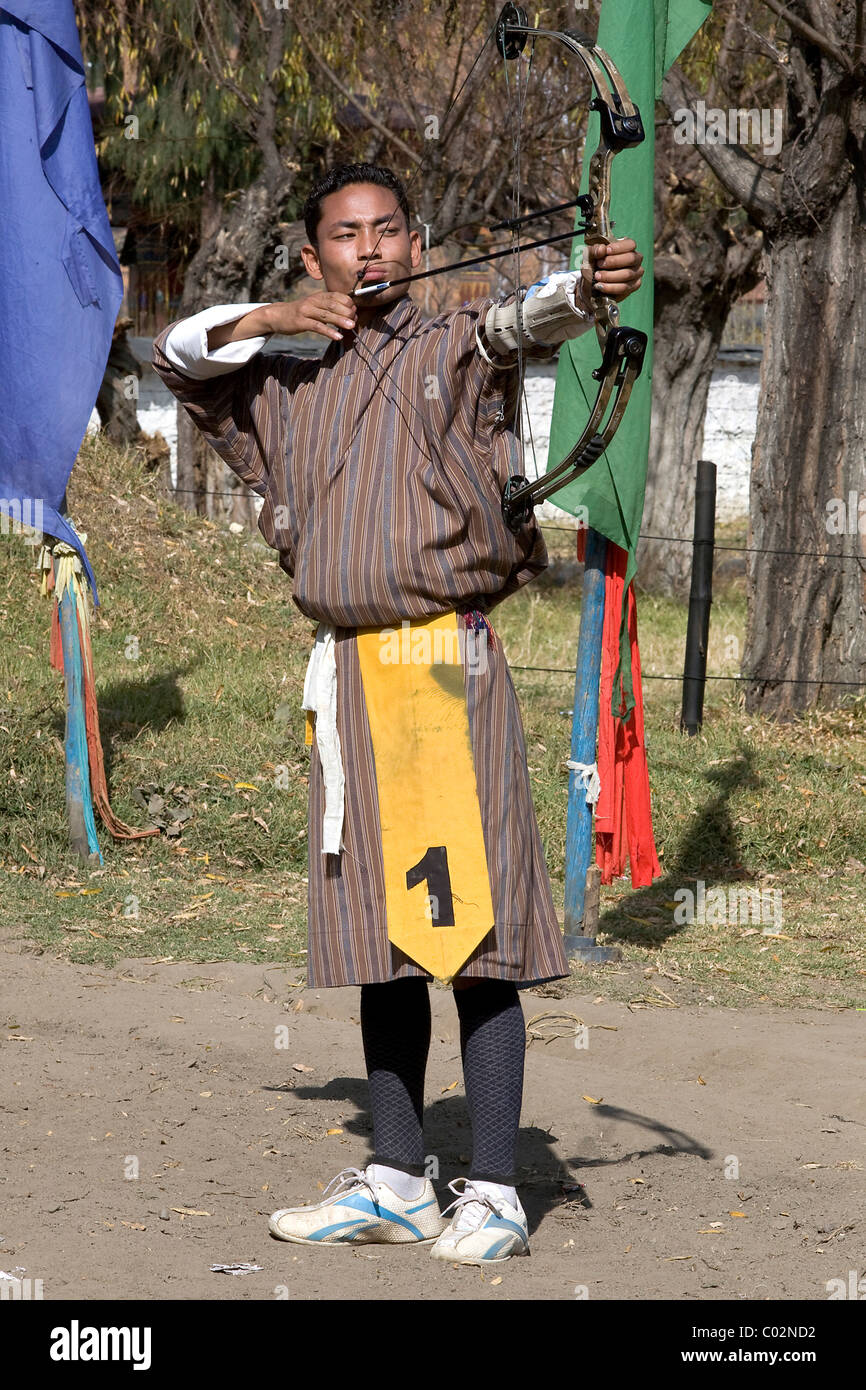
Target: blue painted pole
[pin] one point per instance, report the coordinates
(79, 803)
(584, 738)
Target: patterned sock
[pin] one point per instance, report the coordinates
(395, 1029)
(493, 1045)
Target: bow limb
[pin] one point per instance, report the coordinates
(623, 348)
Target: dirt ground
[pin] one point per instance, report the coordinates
(156, 1091)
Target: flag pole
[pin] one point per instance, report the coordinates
(580, 873)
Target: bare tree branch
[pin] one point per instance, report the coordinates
(344, 91)
(754, 186)
(799, 26)
(218, 70)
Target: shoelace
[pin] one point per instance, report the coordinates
(348, 1179)
(468, 1220)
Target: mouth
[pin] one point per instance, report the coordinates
(367, 286)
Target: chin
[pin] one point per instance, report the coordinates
(388, 296)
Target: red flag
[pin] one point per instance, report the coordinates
(623, 814)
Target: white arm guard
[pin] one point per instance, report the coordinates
(549, 317)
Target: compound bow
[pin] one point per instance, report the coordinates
(623, 348)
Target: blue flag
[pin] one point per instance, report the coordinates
(60, 283)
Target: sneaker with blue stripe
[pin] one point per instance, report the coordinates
(361, 1211)
(485, 1229)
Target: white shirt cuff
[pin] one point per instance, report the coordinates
(186, 345)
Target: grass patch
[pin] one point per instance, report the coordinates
(199, 655)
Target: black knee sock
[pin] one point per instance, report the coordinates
(395, 1028)
(493, 1045)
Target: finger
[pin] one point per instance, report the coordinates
(342, 303)
(618, 272)
(623, 261)
(327, 315)
(326, 331)
(618, 285)
(618, 277)
(618, 291)
(318, 320)
(310, 325)
(599, 249)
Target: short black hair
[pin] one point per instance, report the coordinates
(340, 176)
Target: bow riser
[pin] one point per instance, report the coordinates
(623, 348)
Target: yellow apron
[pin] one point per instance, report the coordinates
(437, 888)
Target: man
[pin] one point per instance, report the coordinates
(382, 465)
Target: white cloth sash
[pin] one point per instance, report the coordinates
(320, 695)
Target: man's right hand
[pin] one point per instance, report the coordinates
(323, 312)
(328, 314)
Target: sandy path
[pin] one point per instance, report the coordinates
(171, 1070)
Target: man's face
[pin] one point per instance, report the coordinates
(362, 222)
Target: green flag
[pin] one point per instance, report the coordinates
(643, 39)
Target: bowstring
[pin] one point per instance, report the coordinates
(516, 111)
(422, 161)
(516, 120)
(368, 357)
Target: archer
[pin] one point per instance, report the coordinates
(382, 497)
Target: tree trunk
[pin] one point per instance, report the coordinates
(704, 261)
(806, 635)
(686, 341)
(695, 287)
(224, 270)
(118, 394)
(806, 619)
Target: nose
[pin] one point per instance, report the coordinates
(368, 245)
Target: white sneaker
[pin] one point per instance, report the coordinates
(484, 1229)
(361, 1212)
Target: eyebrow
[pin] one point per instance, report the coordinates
(358, 222)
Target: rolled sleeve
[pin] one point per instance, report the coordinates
(187, 350)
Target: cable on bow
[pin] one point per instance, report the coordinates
(623, 348)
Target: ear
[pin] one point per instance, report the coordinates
(310, 257)
(414, 248)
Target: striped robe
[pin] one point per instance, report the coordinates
(382, 465)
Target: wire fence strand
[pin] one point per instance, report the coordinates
(753, 679)
(679, 540)
(573, 530)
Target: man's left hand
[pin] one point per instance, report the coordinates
(615, 270)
